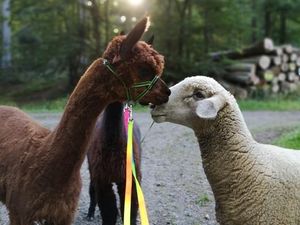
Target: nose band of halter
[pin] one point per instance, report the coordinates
(148, 85)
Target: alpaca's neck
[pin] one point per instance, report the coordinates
(68, 141)
(113, 125)
(226, 150)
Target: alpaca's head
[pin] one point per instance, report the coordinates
(194, 102)
(136, 61)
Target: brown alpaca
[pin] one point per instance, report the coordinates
(106, 158)
(39, 169)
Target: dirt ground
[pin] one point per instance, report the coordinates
(175, 186)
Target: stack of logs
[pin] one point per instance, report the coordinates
(263, 66)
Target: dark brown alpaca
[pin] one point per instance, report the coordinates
(106, 158)
(39, 169)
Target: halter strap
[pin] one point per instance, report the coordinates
(147, 84)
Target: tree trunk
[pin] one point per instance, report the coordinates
(206, 35)
(182, 27)
(268, 22)
(254, 22)
(107, 23)
(282, 31)
(6, 35)
(76, 58)
(96, 20)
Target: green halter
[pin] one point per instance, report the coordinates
(148, 85)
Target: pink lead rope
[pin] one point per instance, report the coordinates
(130, 171)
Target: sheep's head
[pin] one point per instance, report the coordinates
(194, 101)
(135, 62)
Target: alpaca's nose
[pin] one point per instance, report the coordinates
(152, 106)
(168, 92)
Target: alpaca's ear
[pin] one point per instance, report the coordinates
(208, 108)
(133, 37)
(151, 39)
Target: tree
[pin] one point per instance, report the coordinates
(6, 35)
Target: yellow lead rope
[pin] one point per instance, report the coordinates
(130, 170)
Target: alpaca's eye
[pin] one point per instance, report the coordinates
(145, 71)
(198, 95)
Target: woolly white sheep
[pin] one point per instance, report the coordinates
(252, 183)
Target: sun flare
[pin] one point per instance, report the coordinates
(135, 2)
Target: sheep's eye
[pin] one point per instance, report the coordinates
(198, 95)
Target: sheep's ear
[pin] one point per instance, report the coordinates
(209, 108)
(133, 37)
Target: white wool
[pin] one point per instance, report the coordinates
(253, 183)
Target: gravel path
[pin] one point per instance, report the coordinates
(174, 184)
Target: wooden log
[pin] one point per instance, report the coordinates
(275, 88)
(293, 57)
(267, 75)
(277, 51)
(247, 67)
(287, 87)
(262, 47)
(297, 71)
(284, 67)
(297, 78)
(255, 80)
(237, 91)
(291, 76)
(298, 61)
(276, 60)
(242, 73)
(281, 77)
(274, 80)
(287, 48)
(284, 58)
(262, 62)
(276, 70)
(244, 78)
(292, 67)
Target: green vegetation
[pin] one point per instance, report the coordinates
(56, 105)
(290, 140)
(63, 37)
(202, 200)
(53, 42)
(270, 104)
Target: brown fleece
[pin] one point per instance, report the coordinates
(39, 169)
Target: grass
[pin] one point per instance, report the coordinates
(202, 200)
(270, 104)
(289, 140)
(56, 105)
